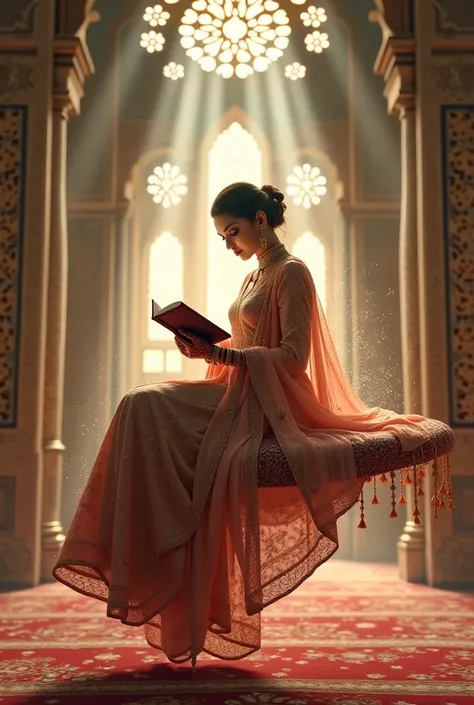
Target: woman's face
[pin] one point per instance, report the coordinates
(240, 235)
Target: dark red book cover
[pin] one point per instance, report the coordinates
(180, 315)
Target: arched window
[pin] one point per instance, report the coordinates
(234, 156)
(165, 285)
(312, 251)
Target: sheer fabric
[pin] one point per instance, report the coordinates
(172, 530)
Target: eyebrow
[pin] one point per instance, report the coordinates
(227, 227)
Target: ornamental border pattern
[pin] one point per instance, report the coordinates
(273, 686)
(457, 123)
(13, 136)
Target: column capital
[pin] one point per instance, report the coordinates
(72, 65)
(73, 17)
(72, 60)
(395, 17)
(396, 58)
(396, 63)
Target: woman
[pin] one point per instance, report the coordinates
(172, 530)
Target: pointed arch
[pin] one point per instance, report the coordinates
(165, 277)
(237, 114)
(234, 155)
(164, 264)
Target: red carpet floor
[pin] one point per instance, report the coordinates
(352, 635)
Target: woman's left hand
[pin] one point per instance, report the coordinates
(192, 346)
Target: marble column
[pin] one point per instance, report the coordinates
(72, 64)
(396, 63)
(53, 448)
(411, 544)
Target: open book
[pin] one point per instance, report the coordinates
(180, 315)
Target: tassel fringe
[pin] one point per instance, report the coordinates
(414, 479)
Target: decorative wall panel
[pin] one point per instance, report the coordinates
(18, 17)
(12, 167)
(458, 178)
(454, 16)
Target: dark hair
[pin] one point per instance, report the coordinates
(243, 200)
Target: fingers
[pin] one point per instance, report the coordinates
(191, 345)
(190, 337)
(181, 345)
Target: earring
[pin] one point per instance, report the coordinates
(263, 238)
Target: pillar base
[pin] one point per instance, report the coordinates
(411, 553)
(52, 539)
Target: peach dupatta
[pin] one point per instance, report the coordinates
(252, 546)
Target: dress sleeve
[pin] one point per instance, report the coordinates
(294, 299)
(294, 307)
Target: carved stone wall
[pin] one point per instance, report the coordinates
(13, 137)
(25, 140)
(445, 87)
(429, 83)
(458, 183)
(43, 63)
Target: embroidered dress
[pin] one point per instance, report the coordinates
(172, 531)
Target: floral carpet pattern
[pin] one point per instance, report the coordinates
(354, 634)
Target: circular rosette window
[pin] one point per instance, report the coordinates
(235, 37)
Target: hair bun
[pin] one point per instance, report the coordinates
(273, 193)
(278, 205)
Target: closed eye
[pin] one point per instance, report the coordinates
(235, 232)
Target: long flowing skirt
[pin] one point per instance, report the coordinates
(130, 545)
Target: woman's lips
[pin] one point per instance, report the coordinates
(237, 252)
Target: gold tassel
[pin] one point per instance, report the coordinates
(403, 482)
(361, 524)
(446, 488)
(416, 511)
(383, 479)
(393, 487)
(375, 499)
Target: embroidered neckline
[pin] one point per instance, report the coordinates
(272, 256)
